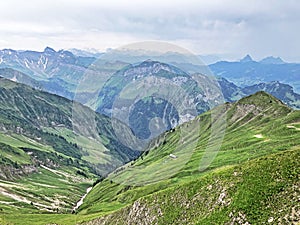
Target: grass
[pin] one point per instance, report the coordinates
(239, 145)
(95, 151)
(251, 192)
(57, 192)
(16, 140)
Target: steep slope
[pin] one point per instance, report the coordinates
(260, 191)
(51, 119)
(46, 162)
(17, 76)
(257, 125)
(154, 91)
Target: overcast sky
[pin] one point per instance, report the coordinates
(229, 28)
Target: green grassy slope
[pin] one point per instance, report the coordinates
(257, 125)
(48, 118)
(45, 165)
(261, 191)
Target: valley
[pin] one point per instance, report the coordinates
(259, 153)
(64, 163)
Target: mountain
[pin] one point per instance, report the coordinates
(248, 72)
(246, 59)
(52, 68)
(173, 184)
(148, 68)
(42, 116)
(149, 90)
(284, 92)
(86, 53)
(272, 60)
(42, 65)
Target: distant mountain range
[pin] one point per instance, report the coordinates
(284, 92)
(57, 72)
(60, 72)
(249, 72)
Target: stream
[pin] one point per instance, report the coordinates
(80, 202)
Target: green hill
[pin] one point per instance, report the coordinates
(260, 191)
(260, 132)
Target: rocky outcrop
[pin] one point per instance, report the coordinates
(10, 172)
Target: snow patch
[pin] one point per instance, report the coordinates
(14, 79)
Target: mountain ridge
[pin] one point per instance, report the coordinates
(257, 126)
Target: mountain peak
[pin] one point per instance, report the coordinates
(155, 66)
(272, 60)
(49, 50)
(247, 58)
(261, 98)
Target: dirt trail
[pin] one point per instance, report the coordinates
(293, 127)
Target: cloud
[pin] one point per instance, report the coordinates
(216, 26)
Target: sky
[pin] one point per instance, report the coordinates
(227, 28)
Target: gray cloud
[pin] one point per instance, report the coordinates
(225, 27)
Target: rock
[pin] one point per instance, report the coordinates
(271, 219)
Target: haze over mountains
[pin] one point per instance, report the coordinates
(249, 72)
(60, 72)
(149, 112)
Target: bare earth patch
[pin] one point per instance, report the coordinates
(258, 136)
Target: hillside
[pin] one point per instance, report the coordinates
(258, 126)
(260, 191)
(36, 114)
(50, 155)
